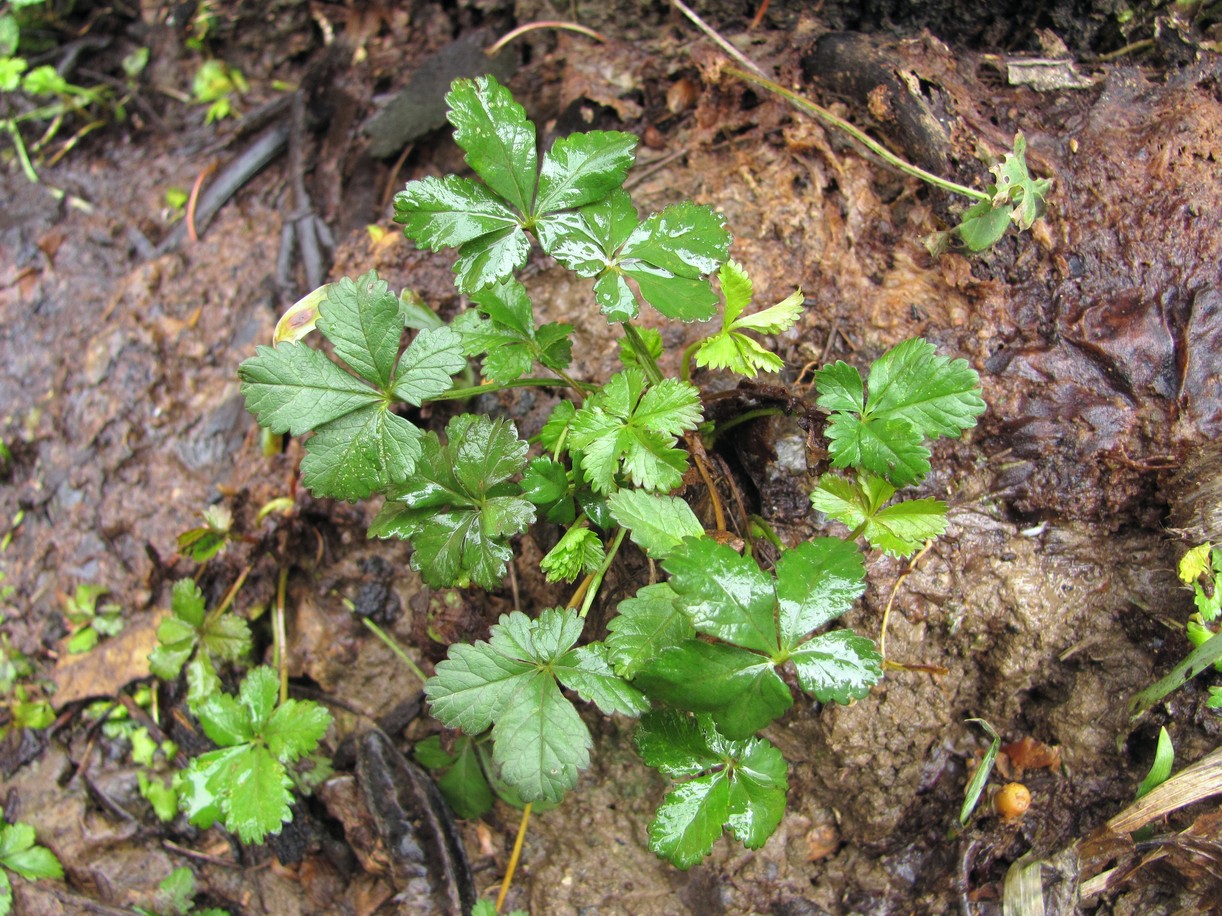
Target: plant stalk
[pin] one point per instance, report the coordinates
(459, 394)
(643, 357)
(597, 579)
(861, 137)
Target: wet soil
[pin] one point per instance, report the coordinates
(1050, 600)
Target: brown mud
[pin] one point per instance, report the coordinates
(1051, 599)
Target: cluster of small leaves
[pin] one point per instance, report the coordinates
(571, 201)
(1015, 197)
(1201, 570)
(728, 785)
(359, 446)
(192, 637)
(511, 685)
(19, 701)
(21, 855)
(629, 429)
(246, 783)
(89, 621)
(460, 507)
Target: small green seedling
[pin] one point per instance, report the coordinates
(246, 783)
(90, 622)
(216, 85)
(176, 897)
(1160, 769)
(20, 854)
(706, 656)
(1015, 197)
(202, 543)
(980, 778)
(194, 638)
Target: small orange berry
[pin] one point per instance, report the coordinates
(1012, 801)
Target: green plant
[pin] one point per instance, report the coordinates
(246, 783)
(88, 621)
(1200, 569)
(20, 855)
(216, 84)
(193, 638)
(708, 655)
(176, 897)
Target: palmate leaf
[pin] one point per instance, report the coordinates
(245, 782)
(914, 394)
(669, 255)
(459, 510)
(899, 529)
(729, 348)
(511, 683)
(762, 623)
(507, 338)
(488, 222)
(736, 785)
(359, 447)
(625, 427)
(19, 853)
(226, 637)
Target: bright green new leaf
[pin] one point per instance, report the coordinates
(510, 683)
(733, 350)
(359, 447)
(736, 785)
(899, 529)
(645, 625)
(762, 622)
(245, 782)
(1160, 769)
(460, 509)
(657, 524)
(626, 428)
(579, 551)
(227, 637)
(914, 394)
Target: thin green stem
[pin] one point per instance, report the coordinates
(572, 383)
(460, 394)
(215, 614)
(742, 418)
(280, 634)
(23, 157)
(872, 145)
(592, 588)
(685, 366)
(643, 357)
(768, 532)
(395, 648)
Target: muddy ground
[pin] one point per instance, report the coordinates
(1051, 599)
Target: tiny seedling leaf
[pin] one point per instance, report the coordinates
(579, 551)
(1160, 769)
(898, 529)
(980, 778)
